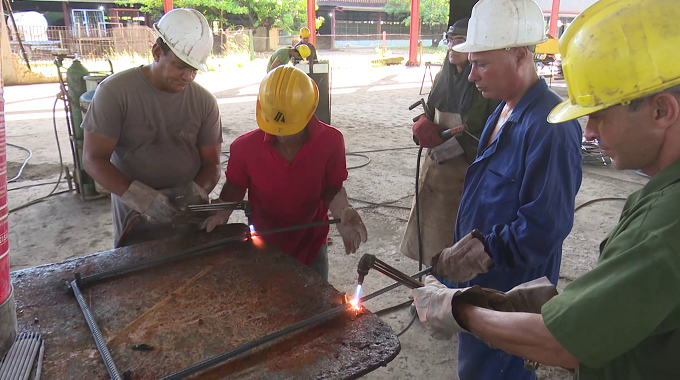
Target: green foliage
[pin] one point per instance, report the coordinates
(432, 12)
(289, 15)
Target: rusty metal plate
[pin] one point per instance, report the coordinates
(194, 309)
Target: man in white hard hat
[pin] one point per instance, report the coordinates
(455, 101)
(293, 169)
(152, 133)
(518, 199)
(621, 320)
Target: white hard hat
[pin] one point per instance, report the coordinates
(187, 33)
(500, 24)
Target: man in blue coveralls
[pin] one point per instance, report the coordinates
(518, 199)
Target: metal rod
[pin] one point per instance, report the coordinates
(186, 372)
(184, 253)
(25, 369)
(299, 227)
(16, 30)
(9, 357)
(194, 250)
(221, 358)
(41, 355)
(23, 348)
(96, 334)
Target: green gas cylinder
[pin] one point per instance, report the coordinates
(76, 88)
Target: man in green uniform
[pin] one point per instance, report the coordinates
(622, 319)
(283, 55)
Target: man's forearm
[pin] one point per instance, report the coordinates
(521, 334)
(208, 176)
(107, 175)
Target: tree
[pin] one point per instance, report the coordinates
(289, 15)
(432, 12)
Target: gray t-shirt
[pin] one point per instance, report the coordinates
(158, 133)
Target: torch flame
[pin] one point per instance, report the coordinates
(355, 306)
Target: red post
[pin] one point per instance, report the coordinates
(333, 29)
(384, 33)
(414, 34)
(8, 317)
(554, 16)
(311, 20)
(167, 6)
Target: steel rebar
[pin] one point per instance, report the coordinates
(196, 368)
(96, 334)
(194, 250)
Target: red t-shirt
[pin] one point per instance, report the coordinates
(284, 194)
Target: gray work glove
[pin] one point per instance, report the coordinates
(149, 202)
(464, 261)
(189, 194)
(220, 217)
(433, 304)
(351, 227)
(446, 151)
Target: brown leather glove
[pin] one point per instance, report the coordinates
(464, 261)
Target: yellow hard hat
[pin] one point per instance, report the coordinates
(305, 33)
(286, 101)
(303, 50)
(617, 51)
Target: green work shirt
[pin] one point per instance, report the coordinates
(475, 119)
(622, 319)
(283, 54)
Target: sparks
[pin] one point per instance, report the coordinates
(355, 306)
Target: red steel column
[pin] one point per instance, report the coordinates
(414, 34)
(311, 20)
(554, 16)
(8, 319)
(167, 6)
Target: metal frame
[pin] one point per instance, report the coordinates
(80, 282)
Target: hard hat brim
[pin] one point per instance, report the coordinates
(566, 111)
(469, 47)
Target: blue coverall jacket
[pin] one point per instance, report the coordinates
(519, 193)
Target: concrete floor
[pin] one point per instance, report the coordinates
(370, 106)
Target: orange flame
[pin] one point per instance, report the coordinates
(355, 305)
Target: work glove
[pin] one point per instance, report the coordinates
(464, 261)
(427, 132)
(530, 296)
(351, 227)
(183, 196)
(446, 151)
(434, 306)
(149, 202)
(220, 217)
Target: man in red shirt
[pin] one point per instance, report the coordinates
(293, 168)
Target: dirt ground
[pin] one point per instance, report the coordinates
(370, 106)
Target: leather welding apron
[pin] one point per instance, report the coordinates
(440, 188)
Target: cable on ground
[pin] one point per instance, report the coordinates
(23, 165)
(61, 166)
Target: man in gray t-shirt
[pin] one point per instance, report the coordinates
(151, 131)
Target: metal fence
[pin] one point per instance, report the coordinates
(93, 42)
